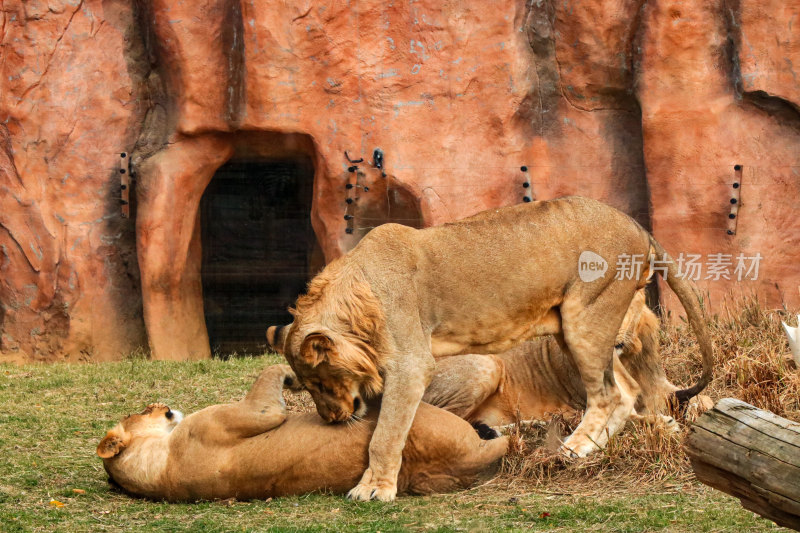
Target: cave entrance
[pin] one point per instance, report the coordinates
(259, 249)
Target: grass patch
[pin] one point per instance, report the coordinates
(52, 417)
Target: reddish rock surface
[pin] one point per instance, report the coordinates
(699, 121)
(68, 105)
(647, 106)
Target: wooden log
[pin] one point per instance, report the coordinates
(751, 454)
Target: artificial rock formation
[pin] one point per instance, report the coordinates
(645, 105)
(701, 117)
(69, 103)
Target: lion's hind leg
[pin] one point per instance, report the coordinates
(443, 453)
(629, 393)
(462, 383)
(589, 333)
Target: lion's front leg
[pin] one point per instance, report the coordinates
(269, 384)
(402, 394)
(263, 408)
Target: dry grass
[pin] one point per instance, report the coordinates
(752, 364)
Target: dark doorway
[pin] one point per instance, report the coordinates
(259, 249)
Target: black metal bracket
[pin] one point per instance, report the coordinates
(352, 188)
(361, 160)
(125, 184)
(528, 195)
(736, 200)
(377, 161)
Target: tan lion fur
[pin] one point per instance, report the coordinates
(253, 449)
(360, 343)
(537, 380)
(403, 297)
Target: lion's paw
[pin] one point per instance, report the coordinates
(567, 453)
(290, 380)
(366, 491)
(671, 424)
(575, 450)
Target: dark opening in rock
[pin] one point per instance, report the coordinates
(259, 249)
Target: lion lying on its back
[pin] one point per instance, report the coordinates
(253, 449)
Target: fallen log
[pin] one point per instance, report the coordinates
(752, 454)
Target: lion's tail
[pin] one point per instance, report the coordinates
(690, 300)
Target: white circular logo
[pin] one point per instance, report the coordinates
(591, 266)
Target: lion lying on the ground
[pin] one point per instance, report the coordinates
(253, 449)
(536, 380)
(373, 321)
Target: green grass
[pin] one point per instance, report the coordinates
(52, 417)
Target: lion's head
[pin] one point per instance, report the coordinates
(335, 370)
(155, 421)
(335, 341)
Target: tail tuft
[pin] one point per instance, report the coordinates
(485, 432)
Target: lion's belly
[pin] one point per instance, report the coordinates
(455, 337)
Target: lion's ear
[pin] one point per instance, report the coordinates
(113, 443)
(316, 348)
(276, 337)
(271, 331)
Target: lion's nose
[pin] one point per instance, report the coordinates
(338, 415)
(329, 415)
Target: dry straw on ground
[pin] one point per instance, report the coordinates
(752, 364)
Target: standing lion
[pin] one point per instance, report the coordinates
(373, 321)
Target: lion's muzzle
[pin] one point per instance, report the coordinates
(333, 415)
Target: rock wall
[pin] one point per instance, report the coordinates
(711, 99)
(69, 104)
(647, 105)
